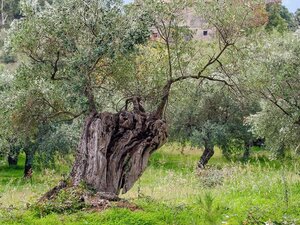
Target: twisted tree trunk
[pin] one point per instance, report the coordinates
(114, 150)
(207, 154)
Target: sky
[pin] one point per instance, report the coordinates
(292, 5)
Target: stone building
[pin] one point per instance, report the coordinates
(200, 28)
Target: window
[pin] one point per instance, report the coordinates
(205, 33)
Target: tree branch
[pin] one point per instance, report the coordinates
(166, 90)
(72, 115)
(55, 68)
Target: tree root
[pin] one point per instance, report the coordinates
(53, 192)
(68, 198)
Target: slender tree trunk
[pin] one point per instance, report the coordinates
(248, 145)
(12, 160)
(28, 164)
(3, 16)
(280, 154)
(2, 13)
(13, 156)
(207, 154)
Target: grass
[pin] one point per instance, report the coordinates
(171, 192)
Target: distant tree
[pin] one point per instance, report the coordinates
(13, 154)
(297, 17)
(211, 115)
(45, 140)
(273, 75)
(8, 143)
(280, 18)
(9, 10)
(49, 142)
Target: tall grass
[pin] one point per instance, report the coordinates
(172, 192)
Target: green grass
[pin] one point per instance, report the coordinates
(171, 192)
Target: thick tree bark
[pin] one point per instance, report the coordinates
(115, 148)
(207, 154)
(28, 164)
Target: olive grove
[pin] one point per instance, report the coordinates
(94, 61)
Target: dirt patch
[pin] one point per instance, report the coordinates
(103, 204)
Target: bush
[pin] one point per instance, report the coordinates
(211, 177)
(67, 200)
(258, 215)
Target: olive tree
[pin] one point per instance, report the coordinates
(8, 146)
(80, 56)
(275, 80)
(212, 115)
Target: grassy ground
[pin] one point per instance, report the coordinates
(171, 192)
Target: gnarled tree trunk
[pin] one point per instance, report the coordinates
(114, 150)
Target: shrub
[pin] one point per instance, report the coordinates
(67, 200)
(211, 177)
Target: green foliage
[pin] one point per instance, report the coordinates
(68, 200)
(55, 141)
(59, 66)
(211, 211)
(258, 215)
(64, 61)
(280, 18)
(10, 11)
(213, 115)
(297, 17)
(275, 79)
